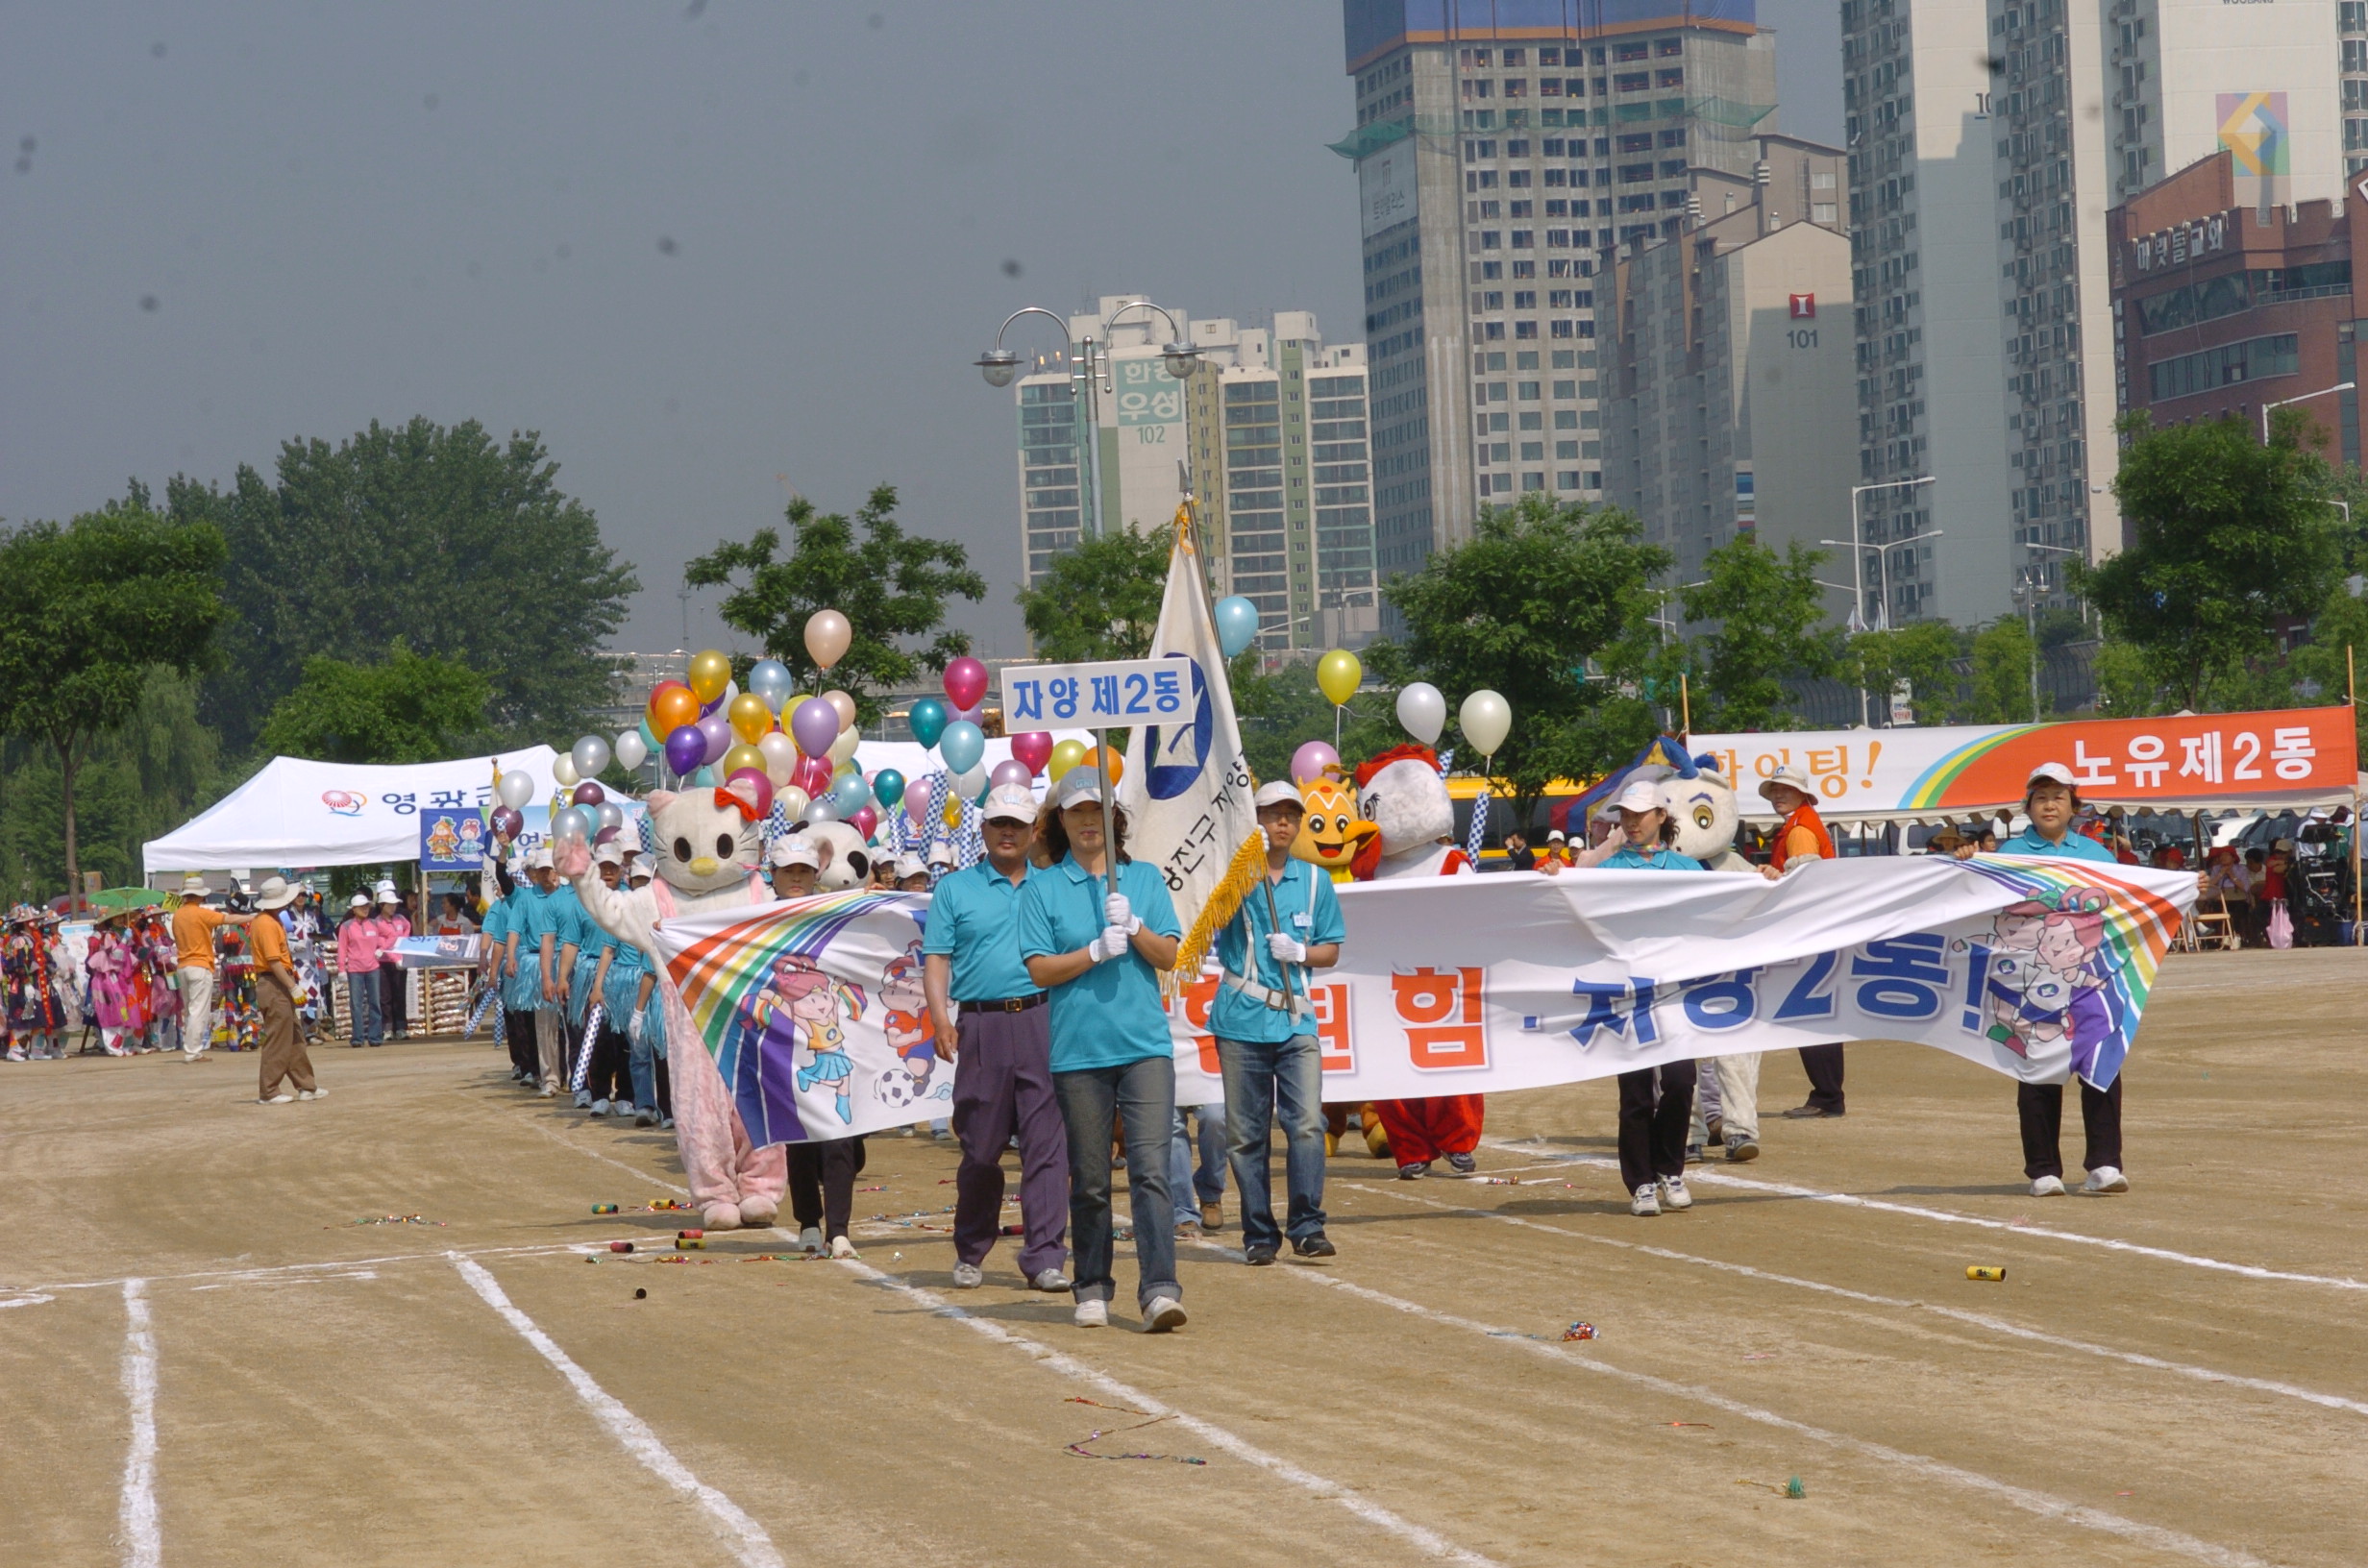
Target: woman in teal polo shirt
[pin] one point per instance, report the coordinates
(1099, 954)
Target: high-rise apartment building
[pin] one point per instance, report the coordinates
(1500, 149)
(1729, 406)
(1271, 433)
(1987, 142)
(2352, 26)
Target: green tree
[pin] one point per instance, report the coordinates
(1521, 608)
(891, 587)
(410, 708)
(2324, 667)
(1102, 599)
(462, 546)
(1283, 710)
(1769, 613)
(88, 612)
(2000, 691)
(1923, 653)
(2224, 537)
(2126, 683)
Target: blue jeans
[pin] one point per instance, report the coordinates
(1194, 1186)
(361, 996)
(641, 1063)
(1265, 1083)
(1141, 1097)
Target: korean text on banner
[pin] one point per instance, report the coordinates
(1111, 694)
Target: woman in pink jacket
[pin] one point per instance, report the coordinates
(358, 960)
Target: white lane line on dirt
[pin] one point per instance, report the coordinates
(748, 1539)
(269, 1271)
(2041, 1504)
(634, 1171)
(2251, 1271)
(25, 1300)
(143, 1544)
(1427, 1540)
(1956, 1314)
(291, 1279)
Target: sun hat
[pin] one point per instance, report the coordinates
(275, 894)
(194, 883)
(1790, 776)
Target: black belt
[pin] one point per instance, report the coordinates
(1005, 1004)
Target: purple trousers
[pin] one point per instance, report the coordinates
(1002, 1085)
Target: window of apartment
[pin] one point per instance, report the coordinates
(1640, 143)
(1527, 392)
(1521, 209)
(1524, 269)
(1629, 82)
(2355, 55)
(2351, 17)
(1556, 177)
(1673, 76)
(2252, 360)
(1492, 331)
(1517, 87)
(1550, 57)
(1565, 419)
(1492, 300)
(1514, 58)
(1552, 147)
(1673, 168)
(1525, 359)
(1526, 299)
(1517, 178)
(1490, 271)
(1638, 50)
(1666, 48)
(1478, 150)
(1525, 330)
(1479, 87)
(1477, 57)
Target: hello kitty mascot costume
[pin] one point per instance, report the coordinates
(1403, 794)
(1701, 803)
(708, 856)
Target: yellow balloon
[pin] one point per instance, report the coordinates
(1339, 674)
(749, 717)
(738, 757)
(709, 674)
(1064, 757)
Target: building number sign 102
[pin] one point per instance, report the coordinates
(1150, 400)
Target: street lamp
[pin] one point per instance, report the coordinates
(2339, 386)
(2028, 591)
(1089, 376)
(1857, 548)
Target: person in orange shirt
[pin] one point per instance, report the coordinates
(278, 988)
(193, 928)
(1801, 838)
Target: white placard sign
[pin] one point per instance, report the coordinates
(1111, 694)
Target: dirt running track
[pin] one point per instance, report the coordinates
(205, 1361)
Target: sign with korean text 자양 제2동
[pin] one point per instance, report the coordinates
(1111, 694)
(2293, 756)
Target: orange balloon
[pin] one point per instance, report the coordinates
(749, 717)
(671, 707)
(1118, 763)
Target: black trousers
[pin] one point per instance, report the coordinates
(394, 1000)
(821, 1183)
(1823, 1065)
(2040, 1109)
(1656, 1108)
(518, 1031)
(612, 1068)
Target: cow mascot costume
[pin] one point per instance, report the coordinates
(1402, 793)
(708, 857)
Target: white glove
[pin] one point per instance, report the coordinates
(1117, 910)
(632, 1026)
(1110, 945)
(1286, 949)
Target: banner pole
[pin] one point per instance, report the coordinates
(1685, 709)
(1109, 815)
(2351, 694)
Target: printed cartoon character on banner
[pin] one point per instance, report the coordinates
(443, 840)
(814, 1001)
(1331, 833)
(707, 857)
(1402, 793)
(910, 1030)
(2045, 988)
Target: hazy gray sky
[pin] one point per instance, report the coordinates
(712, 252)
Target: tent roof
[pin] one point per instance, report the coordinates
(299, 812)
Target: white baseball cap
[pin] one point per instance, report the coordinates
(796, 849)
(638, 871)
(359, 901)
(2051, 772)
(1639, 794)
(1008, 803)
(1079, 784)
(1280, 792)
(608, 854)
(941, 853)
(1556, 836)
(540, 859)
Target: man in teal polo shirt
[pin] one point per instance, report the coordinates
(1002, 1047)
(1265, 1023)
(1098, 952)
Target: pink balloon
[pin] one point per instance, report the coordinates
(917, 796)
(1034, 748)
(813, 775)
(965, 681)
(864, 822)
(1014, 771)
(1311, 760)
(764, 787)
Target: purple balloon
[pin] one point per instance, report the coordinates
(1311, 760)
(606, 835)
(814, 727)
(974, 714)
(685, 749)
(508, 822)
(718, 730)
(588, 793)
(1014, 771)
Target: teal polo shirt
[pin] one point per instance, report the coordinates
(569, 924)
(1112, 1014)
(519, 920)
(1309, 910)
(496, 927)
(2071, 847)
(974, 919)
(1629, 858)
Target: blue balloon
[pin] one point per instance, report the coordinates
(704, 778)
(961, 745)
(928, 717)
(1237, 625)
(850, 792)
(887, 787)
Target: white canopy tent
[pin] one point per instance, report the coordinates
(297, 813)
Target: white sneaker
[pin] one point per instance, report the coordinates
(1645, 1200)
(313, 1094)
(1092, 1315)
(548, 1090)
(600, 1108)
(1163, 1313)
(2047, 1187)
(967, 1277)
(841, 1247)
(1673, 1193)
(2106, 1179)
(665, 1124)
(810, 1239)
(1050, 1282)
(583, 1100)
(278, 1099)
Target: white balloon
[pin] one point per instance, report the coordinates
(844, 748)
(631, 754)
(1486, 720)
(516, 789)
(1422, 712)
(966, 785)
(791, 801)
(563, 771)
